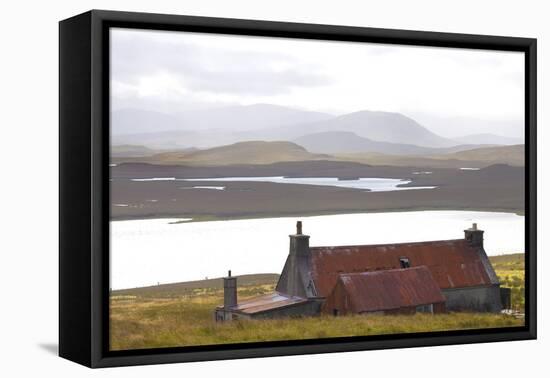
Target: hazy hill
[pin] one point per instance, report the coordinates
(248, 118)
(214, 127)
(377, 126)
(227, 125)
(129, 150)
(253, 152)
(489, 131)
(475, 158)
(174, 139)
(206, 128)
(338, 142)
(512, 155)
(232, 118)
(488, 139)
(134, 121)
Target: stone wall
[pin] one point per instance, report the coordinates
(477, 299)
(309, 308)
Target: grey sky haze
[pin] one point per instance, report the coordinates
(177, 71)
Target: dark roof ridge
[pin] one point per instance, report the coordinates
(387, 244)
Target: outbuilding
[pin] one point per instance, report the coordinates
(395, 291)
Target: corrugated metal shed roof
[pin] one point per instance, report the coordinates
(266, 303)
(390, 289)
(452, 263)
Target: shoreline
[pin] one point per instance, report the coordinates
(214, 218)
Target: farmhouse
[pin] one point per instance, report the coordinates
(403, 278)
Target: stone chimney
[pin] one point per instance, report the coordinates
(299, 243)
(229, 291)
(474, 236)
(298, 255)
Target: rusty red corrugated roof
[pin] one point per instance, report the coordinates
(390, 289)
(267, 302)
(452, 263)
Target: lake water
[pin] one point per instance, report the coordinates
(373, 184)
(205, 187)
(147, 252)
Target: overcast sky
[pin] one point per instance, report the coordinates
(178, 71)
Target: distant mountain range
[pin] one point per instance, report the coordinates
(472, 129)
(248, 118)
(229, 119)
(358, 132)
(341, 142)
(382, 127)
(488, 139)
(137, 121)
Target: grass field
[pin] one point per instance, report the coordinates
(510, 270)
(182, 314)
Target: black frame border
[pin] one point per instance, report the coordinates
(84, 103)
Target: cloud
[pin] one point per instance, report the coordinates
(200, 68)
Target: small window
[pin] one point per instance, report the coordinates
(335, 312)
(404, 262)
(425, 308)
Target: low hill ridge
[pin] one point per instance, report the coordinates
(249, 152)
